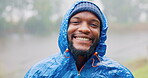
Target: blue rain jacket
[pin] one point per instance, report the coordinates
(63, 64)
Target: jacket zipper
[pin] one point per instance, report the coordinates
(80, 70)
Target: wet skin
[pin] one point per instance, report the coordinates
(83, 30)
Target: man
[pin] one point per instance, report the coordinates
(82, 45)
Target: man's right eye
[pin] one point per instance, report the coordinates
(74, 22)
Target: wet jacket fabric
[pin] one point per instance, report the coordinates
(62, 65)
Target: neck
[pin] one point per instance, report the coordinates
(80, 61)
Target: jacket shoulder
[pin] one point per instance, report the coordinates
(41, 67)
(116, 69)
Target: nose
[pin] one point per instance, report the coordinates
(84, 28)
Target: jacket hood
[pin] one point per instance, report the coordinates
(63, 37)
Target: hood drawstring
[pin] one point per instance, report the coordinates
(67, 50)
(95, 54)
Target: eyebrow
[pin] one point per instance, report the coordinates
(96, 20)
(75, 18)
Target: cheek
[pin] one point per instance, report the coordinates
(96, 33)
(69, 32)
(69, 35)
(71, 29)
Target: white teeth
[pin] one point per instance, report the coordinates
(85, 39)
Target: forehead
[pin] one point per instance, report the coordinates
(85, 14)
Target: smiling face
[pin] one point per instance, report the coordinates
(84, 30)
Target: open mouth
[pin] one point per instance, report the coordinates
(82, 38)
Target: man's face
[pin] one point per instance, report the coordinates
(84, 30)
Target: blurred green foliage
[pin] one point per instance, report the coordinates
(37, 24)
(141, 72)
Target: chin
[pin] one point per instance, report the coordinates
(80, 50)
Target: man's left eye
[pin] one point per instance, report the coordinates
(94, 25)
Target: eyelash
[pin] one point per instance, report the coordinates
(94, 25)
(74, 22)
